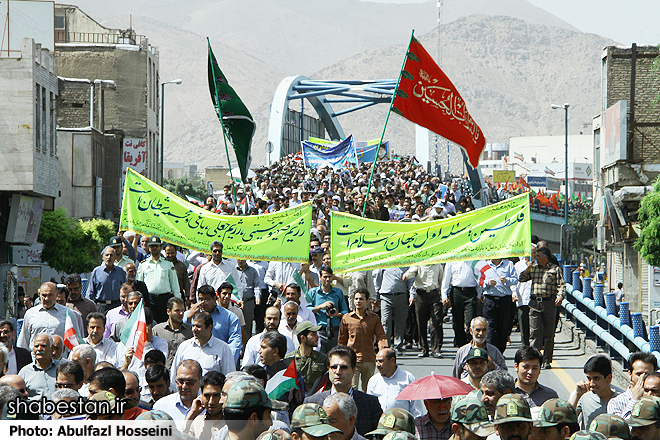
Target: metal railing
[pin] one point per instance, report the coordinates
(98, 38)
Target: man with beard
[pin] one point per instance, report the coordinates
(271, 324)
(644, 421)
(18, 357)
(527, 363)
(310, 363)
(513, 419)
(180, 268)
(479, 332)
(477, 366)
(174, 330)
(76, 301)
(494, 385)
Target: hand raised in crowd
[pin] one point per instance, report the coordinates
(637, 390)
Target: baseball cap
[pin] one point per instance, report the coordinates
(471, 413)
(645, 412)
(247, 393)
(311, 419)
(306, 325)
(278, 434)
(476, 353)
(394, 419)
(587, 435)
(115, 241)
(554, 412)
(611, 426)
(512, 408)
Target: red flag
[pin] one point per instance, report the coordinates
(428, 98)
(523, 183)
(553, 200)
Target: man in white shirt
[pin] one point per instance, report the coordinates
(522, 293)
(388, 383)
(218, 270)
(106, 349)
(178, 404)
(292, 292)
(459, 291)
(290, 322)
(211, 353)
(271, 324)
(428, 305)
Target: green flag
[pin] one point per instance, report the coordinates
(299, 281)
(236, 120)
(234, 292)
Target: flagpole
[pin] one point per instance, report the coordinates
(382, 136)
(222, 125)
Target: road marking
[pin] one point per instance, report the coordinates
(563, 376)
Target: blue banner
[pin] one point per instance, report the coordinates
(366, 151)
(536, 181)
(337, 156)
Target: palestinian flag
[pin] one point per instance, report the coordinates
(135, 333)
(195, 201)
(283, 381)
(71, 338)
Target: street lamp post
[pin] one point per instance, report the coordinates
(565, 107)
(162, 127)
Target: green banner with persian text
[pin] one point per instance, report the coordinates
(149, 209)
(496, 231)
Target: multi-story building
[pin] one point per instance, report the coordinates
(108, 112)
(627, 156)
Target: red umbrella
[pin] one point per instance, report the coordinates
(434, 387)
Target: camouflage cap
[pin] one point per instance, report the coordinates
(554, 412)
(471, 413)
(394, 419)
(512, 408)
(645, 412)
(399, 435)
(312, 420)
(278, 434)
(588, 435)
(476, 353)
(247, 393)
(611, 426)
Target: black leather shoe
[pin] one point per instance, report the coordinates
(423, 355)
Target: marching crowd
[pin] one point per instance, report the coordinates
(225, 339)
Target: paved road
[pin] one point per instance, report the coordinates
(569, 359)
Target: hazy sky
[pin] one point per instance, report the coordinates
(625, 21)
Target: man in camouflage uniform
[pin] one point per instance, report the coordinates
(247, 410)
(393, 420)
(611, 426)
(513, 419)
(587, 435)
(309, 422)
(399, 435)
(557, 420)
(469, 418)
(644, 419)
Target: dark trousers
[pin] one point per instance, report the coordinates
(429, 305)
(497, 311)
(158, 306)
(523, 324)
(328, 336)
(463, 309)
(105, 308)
(542, 326)
(411, 336)
(260, 312)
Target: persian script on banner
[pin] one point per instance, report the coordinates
(496, 231)
(149, 209)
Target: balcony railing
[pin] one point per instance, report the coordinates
(62, 36)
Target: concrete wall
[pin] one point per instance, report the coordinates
(28, 163)
(77, 21)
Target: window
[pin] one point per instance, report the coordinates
(37, 113)
(44, 119)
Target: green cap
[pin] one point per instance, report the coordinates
(512, 408)
(588, 435)
(306, 325)
(611, 426)
(554, 412)
(394, 419)
(399, 435)
(476, 353)
(246, 393)
(645, 412)
(278, 434)
(312, 420)
(471, 413)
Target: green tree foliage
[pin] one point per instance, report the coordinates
(70, 245)
(648, 214)
(583, 223)
(184, 186)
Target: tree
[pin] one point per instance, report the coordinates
(184, 186)
(70, 245)
(648, 214)
(583, 222)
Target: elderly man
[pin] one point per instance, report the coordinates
(494, 385)
(390, 381)
(271, 324)
(49, 317)
(436, 423)
(57, 348)
(105, 281)
(479, 333)
(16, 382)
(342, 413)
(160, 277)
(290, 322)
(40, 375)
(177, 405)
(85, 355)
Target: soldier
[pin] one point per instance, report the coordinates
(399, 435)
(309, 421)
(469, 419)
(644, 419)
(557, 420)
(611, 426)
(513, 419)
(395, 419)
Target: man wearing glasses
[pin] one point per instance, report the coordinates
(69, 375)
(177, 405)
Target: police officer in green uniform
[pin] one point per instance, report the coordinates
(160, 277)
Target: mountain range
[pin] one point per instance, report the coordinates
(509, 59)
